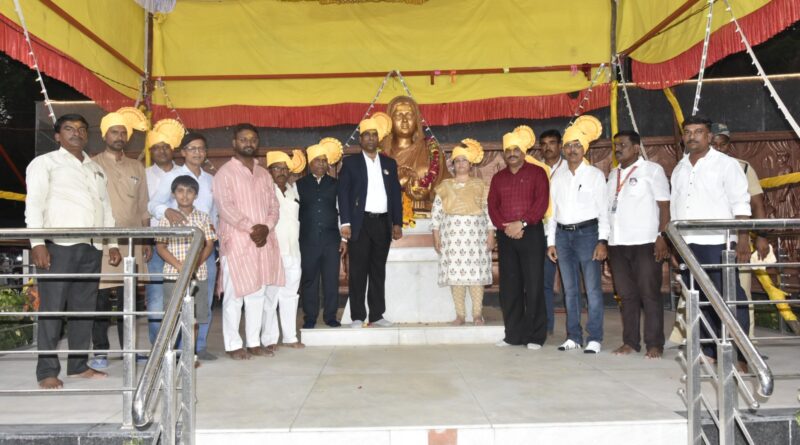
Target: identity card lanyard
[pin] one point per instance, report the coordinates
(620, 185)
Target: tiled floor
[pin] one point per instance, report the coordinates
(381, 391)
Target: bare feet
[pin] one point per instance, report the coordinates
(459, 321)
(742, 367)
(89, 374)
(478, 320)
(623, 350)
(295, 345)
(261, 351)
(654, 352)
(239, 354)
(51, 383)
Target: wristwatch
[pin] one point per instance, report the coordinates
(524, 223)
(663, 235)
(603, 242)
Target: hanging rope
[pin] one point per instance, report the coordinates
(371, 106)
(767, 83)
(47, 102)
(587, 94)
(701, 73)
(426, 127)
(630, 108)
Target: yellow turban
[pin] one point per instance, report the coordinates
(129, 117)
(112, 120)
(473, 151)
(381, 122)
(330, 147)
(296, 164)
(169, 131)
(585, 130)
(522, 137)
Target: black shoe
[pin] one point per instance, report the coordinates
(333, 323)
(308, 325)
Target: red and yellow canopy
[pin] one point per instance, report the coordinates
(302, 63)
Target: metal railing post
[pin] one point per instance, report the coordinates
(693, 368)
(187, 373)
(726, 394)
(128, 339)
(167, 424)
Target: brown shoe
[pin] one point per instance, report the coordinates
(239, 354)
(51, 383)
(89, 374)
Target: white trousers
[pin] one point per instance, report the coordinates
(283, 299)
(232, 313)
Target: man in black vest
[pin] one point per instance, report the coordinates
(321, 247)
(372, 216)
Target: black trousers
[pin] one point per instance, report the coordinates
(100, 327)
(637, 280)
(712, 254)
(522, 302)
(368, 263)
(320, 261)
(70, 294)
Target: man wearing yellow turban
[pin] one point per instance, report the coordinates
(321, 246)
(128, 195)
(284, 298)
(372, 216)
(577, 233)
(518, 198)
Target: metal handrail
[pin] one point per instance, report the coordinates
(761, 370)
(144, 398)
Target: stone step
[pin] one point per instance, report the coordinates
(402, 335)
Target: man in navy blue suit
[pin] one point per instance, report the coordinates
(371, 212)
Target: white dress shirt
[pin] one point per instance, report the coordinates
(377, 201)
(154, 174)
(163, 199)
(561, 164)
(64, 192)
(635, 220)
(715, 187)
(577, 198)
(288, 228)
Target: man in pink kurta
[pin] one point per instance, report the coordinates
(248, 212)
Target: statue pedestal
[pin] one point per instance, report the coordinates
(412, 292)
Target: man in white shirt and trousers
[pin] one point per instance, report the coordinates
(577, 233)
(67, 189)
(284, 298)
(638, 207)
(707, 184)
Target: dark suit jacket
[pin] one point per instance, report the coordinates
(319, 220)
(353, 191)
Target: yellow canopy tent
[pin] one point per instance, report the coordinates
(303, 63)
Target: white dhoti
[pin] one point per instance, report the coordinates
(282, 299)
(232, 313)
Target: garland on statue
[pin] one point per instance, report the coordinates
(433, 167)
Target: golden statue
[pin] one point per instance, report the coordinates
(420, 163)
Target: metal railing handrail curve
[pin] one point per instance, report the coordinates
(144, 396)
(762, 371)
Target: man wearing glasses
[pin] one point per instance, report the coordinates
(162, 204)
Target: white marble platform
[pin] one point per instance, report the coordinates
(412, 291)
(402, 335)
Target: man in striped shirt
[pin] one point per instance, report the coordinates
(244, 194)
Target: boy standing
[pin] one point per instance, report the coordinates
(174, 250)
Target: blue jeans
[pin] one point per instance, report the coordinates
(575, 250)
(154, 294)
(202, 333)
(549, 281)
